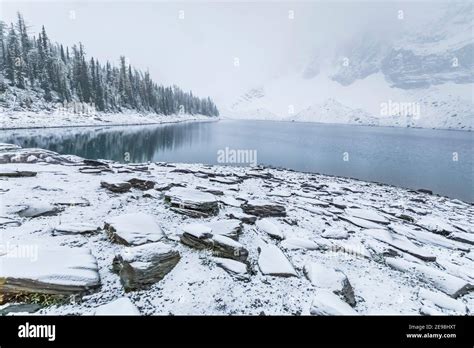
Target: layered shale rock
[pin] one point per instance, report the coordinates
(193, 203)
(54, 271)
(200, 237)
(140, 184)
(141, 266)
(263, 209)
(231, 228)
(116, 187)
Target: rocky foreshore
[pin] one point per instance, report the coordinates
(97, 237)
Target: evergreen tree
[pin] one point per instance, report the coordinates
(64, 75)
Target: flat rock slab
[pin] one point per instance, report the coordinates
(447, 283)
(245, 218)
(401, 243)
(299, 243)
(436, 225)
(226, 180)
(120, 306)
(325, 302)
(359, 222)
(133, 229)
(271, 228)
(331, 279)
(463, 237)
(140, 184)
(231, 228)
(263, 209)
(75, 201)
(141, 266)
(75, 228)
(279, 193)
(233, 267)
(197, 230)
(39, 209)
(191, 202)
(116, 187)
(440, 300)
(429, 238)
(335, 233)
(367, 214)
(57, 271)
(273, 262)
(230, 201)
(17, 174)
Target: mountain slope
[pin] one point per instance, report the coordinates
(421, 77)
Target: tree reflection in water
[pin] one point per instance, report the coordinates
(142, 143)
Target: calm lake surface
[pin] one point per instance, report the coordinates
(441, 161)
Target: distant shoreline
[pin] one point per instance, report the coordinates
(61, 122)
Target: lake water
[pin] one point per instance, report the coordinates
(441, 161)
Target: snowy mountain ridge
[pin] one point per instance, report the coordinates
(427, 67)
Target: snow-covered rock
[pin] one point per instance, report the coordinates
(269, 227)
(325, 302)
(120, 306)
(331, 279)
(447, 283)
(360, 222)
(230, 228)
(192, 202)
(140, 266)
(133, 229)
(400, 242)
(299, 243)
(367, 214)
(59, 270)
(233, 267)
(75, 228)
(441, 300)
(36, 209)
(333, 233)
(263, 208)
(273, 262)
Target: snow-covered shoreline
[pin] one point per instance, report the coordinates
(227, 240)
(35, 120)
(235, 118)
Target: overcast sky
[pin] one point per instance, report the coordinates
(199, 51)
